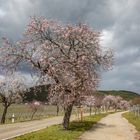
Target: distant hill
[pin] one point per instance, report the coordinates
(41, 93)
(127, 95)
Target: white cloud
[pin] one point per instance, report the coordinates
(106, 38)
(2, 13)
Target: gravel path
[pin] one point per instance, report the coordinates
(112, 127)
(8, 131)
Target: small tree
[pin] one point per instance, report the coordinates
(98, 103)
(117, 100)
(55, 101)
(90, 102)
(108, 102)
(11, 88)
(35, 106)
(71, 55)
(124, 105)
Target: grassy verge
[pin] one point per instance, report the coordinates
(133, 119)
(57, 133)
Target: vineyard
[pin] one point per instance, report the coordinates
(136, 110)
(23, 112)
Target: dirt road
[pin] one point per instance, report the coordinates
(112, 127)
(8, 131)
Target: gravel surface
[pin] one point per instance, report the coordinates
(112, 127)
(8, 131)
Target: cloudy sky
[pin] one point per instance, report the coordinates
(118, 20)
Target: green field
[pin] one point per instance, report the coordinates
(57, 133)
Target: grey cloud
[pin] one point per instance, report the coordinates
(17, 13)
(120, 18)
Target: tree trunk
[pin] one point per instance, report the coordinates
(57, 110)
(90, 110)
(99, 111)
(67, 115)
(33, 114)
(95, 110)
(4, 115)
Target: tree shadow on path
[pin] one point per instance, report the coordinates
(100, 125)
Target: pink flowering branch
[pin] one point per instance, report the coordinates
(71, 55)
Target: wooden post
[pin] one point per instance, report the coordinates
(78, 112)
(13, 118)
(81, 112)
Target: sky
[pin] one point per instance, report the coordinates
(117, 20)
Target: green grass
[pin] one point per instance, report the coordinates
(56, 132)
(133, 119)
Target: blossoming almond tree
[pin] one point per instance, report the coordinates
(109, 101)
(115, 102)
(55, 100)
(90, 102)
(124, 105)
(98, 103)
(71, 55)
(11, 89)
(35, 106)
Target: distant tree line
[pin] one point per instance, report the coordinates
(38, 93)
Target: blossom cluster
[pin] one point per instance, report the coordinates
(71, 55)
(107, 102)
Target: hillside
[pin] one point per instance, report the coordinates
(41, 92)
(127, 95)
